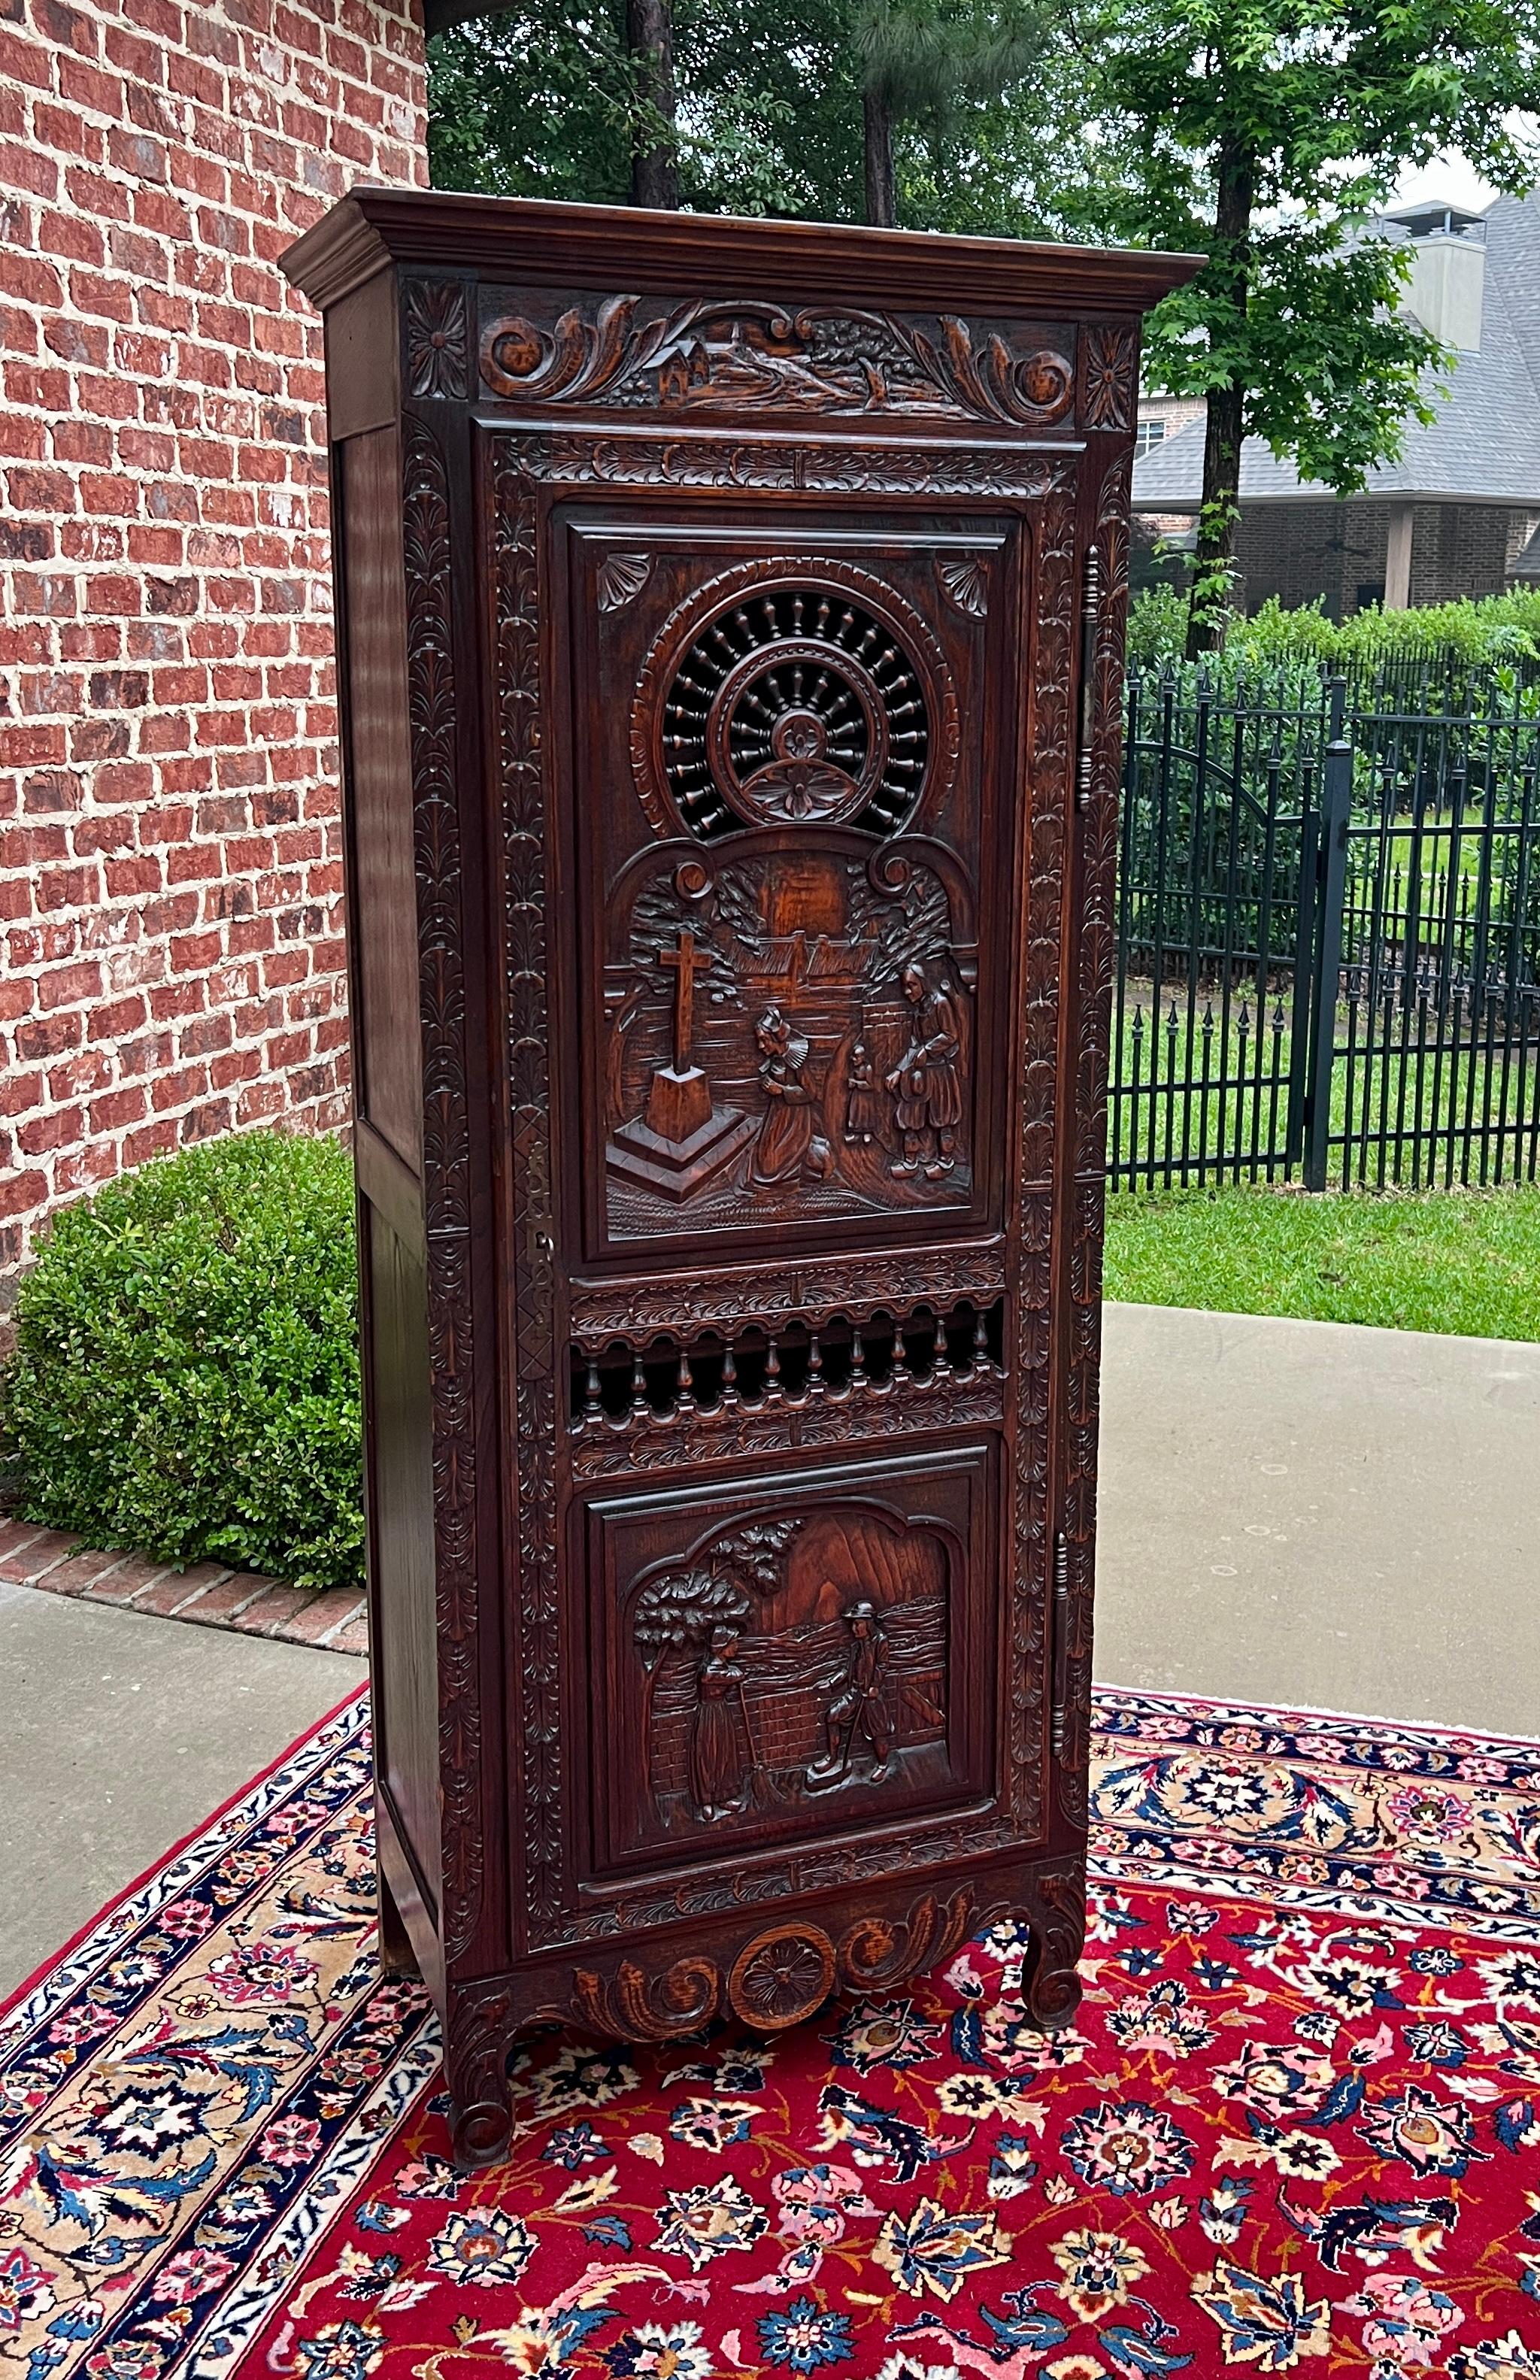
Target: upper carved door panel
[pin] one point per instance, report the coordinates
(785, 756)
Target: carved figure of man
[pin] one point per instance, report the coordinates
(789, 1147)
(860, 1705)
(861, 1115)
(927, 1080)
(722, 1749)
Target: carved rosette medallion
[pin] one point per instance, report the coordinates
(1109, 375)
(792, 692)
(782, 1976)
(436, 316)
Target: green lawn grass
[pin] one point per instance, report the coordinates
(1464, 1260)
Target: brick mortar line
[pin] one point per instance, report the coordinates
(187, 1609)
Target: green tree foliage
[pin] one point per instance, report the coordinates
(925, 64)
(185, 1381)
(1264, 132)
(982, 101)
(542, 101)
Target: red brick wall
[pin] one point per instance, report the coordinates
(169, 865)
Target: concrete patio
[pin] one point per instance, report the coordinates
(1296, 1512)
(1317, 1513)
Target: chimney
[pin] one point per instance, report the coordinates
(1449, 269)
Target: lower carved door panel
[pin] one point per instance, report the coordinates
(809, 1655)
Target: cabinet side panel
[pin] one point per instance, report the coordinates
(404, 1641)
(387, 1034)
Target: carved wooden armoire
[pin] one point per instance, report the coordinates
(730, 619)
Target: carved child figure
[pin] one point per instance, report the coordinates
(861, 1115)
(928, 1079)
(860, 1705)
(789, 1145)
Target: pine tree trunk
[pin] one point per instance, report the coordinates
(1228, 275)
(649, 39)
(881, 189)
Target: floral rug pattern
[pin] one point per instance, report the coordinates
(1297, 2124)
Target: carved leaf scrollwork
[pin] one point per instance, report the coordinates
(968, 582)
(447, 1161)
(713, 355)
(1099, 852)
(1050, 783)
(622, 578)
(876, 1954)
(634, 2008)
(521, 760)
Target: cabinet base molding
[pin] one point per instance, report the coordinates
(765, 1977)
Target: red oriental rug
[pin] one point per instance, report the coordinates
(1298, 2123)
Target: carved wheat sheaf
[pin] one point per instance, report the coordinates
(447, 1161)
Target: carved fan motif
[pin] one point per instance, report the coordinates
(796, 705)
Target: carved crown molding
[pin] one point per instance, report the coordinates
(546, 241)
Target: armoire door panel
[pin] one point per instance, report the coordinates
(784, 754)
(804, 1656)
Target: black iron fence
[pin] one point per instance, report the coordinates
(1328, 952)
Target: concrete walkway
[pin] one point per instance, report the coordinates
(121, 1733)
(1292, 1512)
(1315, 1513)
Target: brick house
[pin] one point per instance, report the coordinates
(169, 851)
(1455, 514)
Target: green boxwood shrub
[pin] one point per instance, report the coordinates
(185, 1381)
(1495, 631)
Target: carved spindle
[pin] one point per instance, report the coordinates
(901, 1376)
(858, 1378)
(683, 1402)
(728, 1376)
(815, 1383)
(980, 1340)
(774, 1394)
(941, 1363)
(593, 1401)
(641, 1404)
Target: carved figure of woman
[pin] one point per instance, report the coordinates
(861, 1110)
(789, 1147)
(722, 1748)
(928, 1079)
(860, 1705)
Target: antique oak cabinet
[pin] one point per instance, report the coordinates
(730, 625)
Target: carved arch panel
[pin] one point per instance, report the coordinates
(796, 1657)
(797, 966)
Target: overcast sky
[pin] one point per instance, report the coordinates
(1451, 177)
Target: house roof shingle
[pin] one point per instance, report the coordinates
(1484, 445)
